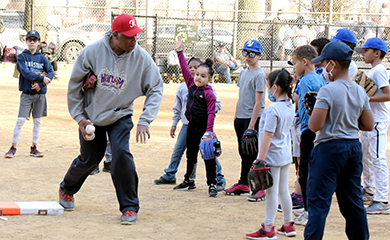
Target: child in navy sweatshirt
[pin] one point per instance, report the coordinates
(35, 74)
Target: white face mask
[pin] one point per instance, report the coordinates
(327, 74)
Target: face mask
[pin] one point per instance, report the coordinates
(271, 96)
(327, 74)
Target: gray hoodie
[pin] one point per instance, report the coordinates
(121, 79)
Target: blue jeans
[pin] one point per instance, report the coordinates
(226, 71)
(336, 166)
(178, 151)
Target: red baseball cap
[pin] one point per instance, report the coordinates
(126, 24)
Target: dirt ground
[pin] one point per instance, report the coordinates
(164, 213)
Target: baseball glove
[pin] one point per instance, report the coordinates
(309, 101)
(209, 146)
(90, 81)
(259, 176)
(249, 142)
(368, 85)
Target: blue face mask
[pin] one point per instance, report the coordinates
(271, 96)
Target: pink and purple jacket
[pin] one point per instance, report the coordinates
(201, 101)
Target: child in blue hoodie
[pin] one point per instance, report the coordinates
(35, 74)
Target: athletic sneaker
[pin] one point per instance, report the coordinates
(11, 153)
(162, 180)
(221, 186)
(66, 201)
(107, 167)
(367, 197)
(213, 190)
(288, 231)
(378, 208)
(296, 206)
(262, 234)
(185, 185)
(257, 196)
(302, 219)
(95, 171)
(129, 218)
(35, 153)
(237, 189)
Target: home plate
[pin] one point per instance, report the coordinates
(34, 208)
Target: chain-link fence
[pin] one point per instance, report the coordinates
(72, 24)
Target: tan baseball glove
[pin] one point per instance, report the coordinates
(364, 81)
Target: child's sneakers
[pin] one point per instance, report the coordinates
(378, 208)
(185, 185)
(289, 231)
(262, 234)
(213, 190)
(257, 196)
(11, 153)
(35, 153)
(237, 189)
(367, 197)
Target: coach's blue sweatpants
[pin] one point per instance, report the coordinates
(123, 172)
(336, 166)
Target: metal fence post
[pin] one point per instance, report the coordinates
(212, 36)
(154, 50)
(272, 45)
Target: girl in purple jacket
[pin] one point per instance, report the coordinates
(200, 114)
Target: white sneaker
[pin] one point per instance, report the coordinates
(378, 208)
(302, 219)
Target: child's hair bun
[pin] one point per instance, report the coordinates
(209, 62)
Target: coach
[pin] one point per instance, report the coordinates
(124, 72)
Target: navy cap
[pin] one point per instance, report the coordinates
(221, 44)
(375, 43)
(253, 45)
(344, 34)
(334, 51)
(33, 33)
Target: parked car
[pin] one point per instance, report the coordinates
(13, 22)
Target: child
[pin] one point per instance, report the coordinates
(179, 110)
(275, 149)
(310, 81)
(348, 37)
(375, 170)
(200, 113)
(250, 105)
(32, 66)
(335, 164)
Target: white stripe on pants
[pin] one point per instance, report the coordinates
(280, 176)
(375, 170)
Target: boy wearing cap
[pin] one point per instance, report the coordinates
(35, 74)
(124, 72)
(348, 37)
(309, 82)
(375, 170)
(335, 164)
(225, 62)
(250, 105)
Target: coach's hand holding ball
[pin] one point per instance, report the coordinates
(87, 129)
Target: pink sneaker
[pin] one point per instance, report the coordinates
(257, 196)
(237, 189)
(288, 231)
(262, 234)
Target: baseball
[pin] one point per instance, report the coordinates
(90, 129)
(90, 137)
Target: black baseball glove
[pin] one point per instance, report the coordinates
(309, 101)
(259, 176)
(249, 142)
